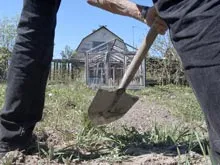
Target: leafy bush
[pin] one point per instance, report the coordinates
(4, 57)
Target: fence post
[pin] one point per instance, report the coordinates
(72, 71)
(87, 68)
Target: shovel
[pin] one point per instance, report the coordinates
(108, 106)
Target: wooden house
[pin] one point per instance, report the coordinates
(100, 36)
(106, 58)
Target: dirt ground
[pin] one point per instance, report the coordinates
(143, 117)
(144, 114)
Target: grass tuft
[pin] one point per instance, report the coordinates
(65, 112)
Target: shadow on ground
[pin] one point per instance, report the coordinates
(130, 143)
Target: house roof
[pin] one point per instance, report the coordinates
(101, 27)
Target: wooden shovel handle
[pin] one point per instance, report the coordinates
(138, 58)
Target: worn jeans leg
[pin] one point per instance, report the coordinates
(206, 85)
(194, 29)
(28, 71)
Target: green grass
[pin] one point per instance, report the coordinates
(66, 112)
(179, 100)
(66, 106)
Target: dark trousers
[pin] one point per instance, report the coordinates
(195, 33)
(28, 72)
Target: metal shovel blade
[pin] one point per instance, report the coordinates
(108, 106)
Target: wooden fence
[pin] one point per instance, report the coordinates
(158, 71)
(61, 70)
(65, 70)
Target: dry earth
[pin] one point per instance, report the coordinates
(144, 114)
(143, 117)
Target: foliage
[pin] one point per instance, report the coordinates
(8, 32)
(2, 90)
(7, 38)
(4, 56)
(164, 64)
(165, 71)
(67, 53)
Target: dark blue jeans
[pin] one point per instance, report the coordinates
(194, 27)
(195, 32)
(28, 72)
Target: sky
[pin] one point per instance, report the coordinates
(76, 19)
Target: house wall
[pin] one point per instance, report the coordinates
(100, 36)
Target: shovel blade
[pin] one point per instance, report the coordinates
(108, 106)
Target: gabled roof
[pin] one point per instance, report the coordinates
(101, 27)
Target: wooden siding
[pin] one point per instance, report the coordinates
(100, 36)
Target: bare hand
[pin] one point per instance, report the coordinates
(93, 2)
(154, 20)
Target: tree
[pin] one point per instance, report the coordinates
(8, 32)
(166, 65)
(67, 53)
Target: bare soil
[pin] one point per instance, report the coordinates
(145, 114)
(142, 116)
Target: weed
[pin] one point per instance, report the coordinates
(66, 112)
(180, 101)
